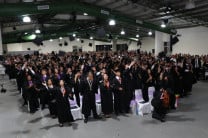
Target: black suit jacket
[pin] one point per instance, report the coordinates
(117, 84)
(86, 87)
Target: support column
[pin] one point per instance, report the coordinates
(114, 43)
(159, 45)
(1, 45)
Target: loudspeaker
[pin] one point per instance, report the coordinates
(139, 43)
(165, 43)
(138, 51)
(65, 43)
(153, 51)
(36, 53)
(28, 49)
(71, 38)
(82, 41)
(60, 44)
(90, 44)
(38, 41)
(174, 40)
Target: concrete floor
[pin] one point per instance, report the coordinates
(188, 121)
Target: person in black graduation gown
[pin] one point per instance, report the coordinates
(106, 91)
(77, 87)
(178, 80)
(89, 89)
(187, 77)
(159, 111)
(69, 77)
(118, 89)
(128, 86)
(51, 89)
(167, 83)
(146, 79)
(63, 94)
(196, 63)
(31, 93)
(43, 92)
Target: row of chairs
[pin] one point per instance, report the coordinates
(137, 107)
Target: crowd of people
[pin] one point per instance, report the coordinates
(53, 79)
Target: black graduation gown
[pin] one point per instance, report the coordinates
(44, 95)
(129, 88)
(118, 96)
(178, 87)
(69, 79)
(88, 101)
(77, 89)
(52, 101)
(159, 111)
(145, 85)
(106, 99)
(63, 105)
(31, 95)
(187, 79)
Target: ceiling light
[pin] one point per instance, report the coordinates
(37, 31)
(150, 33)
(74, 35)
(163, 25)
(122, 32)
(51, 40)
(91, 37)
(112, 22)
(26, 19)
(32, 37)
(60, 38)
(78, 39)
(85, 14)
(26, 33)
(137, 36)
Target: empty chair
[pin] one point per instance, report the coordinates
(138, 95)
(75, 109)
(141, 108)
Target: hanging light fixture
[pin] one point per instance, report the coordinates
(74, 35)
(60, 38)
(163, 25)
(122, 32)
(26, 19)
(91, 38)
(37, 31)
(112, 22)
(150, 33)
(137, 36)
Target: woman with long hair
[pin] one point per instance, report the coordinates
(106, 96)
(63, 94)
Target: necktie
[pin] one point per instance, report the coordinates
(90, 83)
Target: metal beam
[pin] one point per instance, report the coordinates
(181, 11)
(67, 7)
